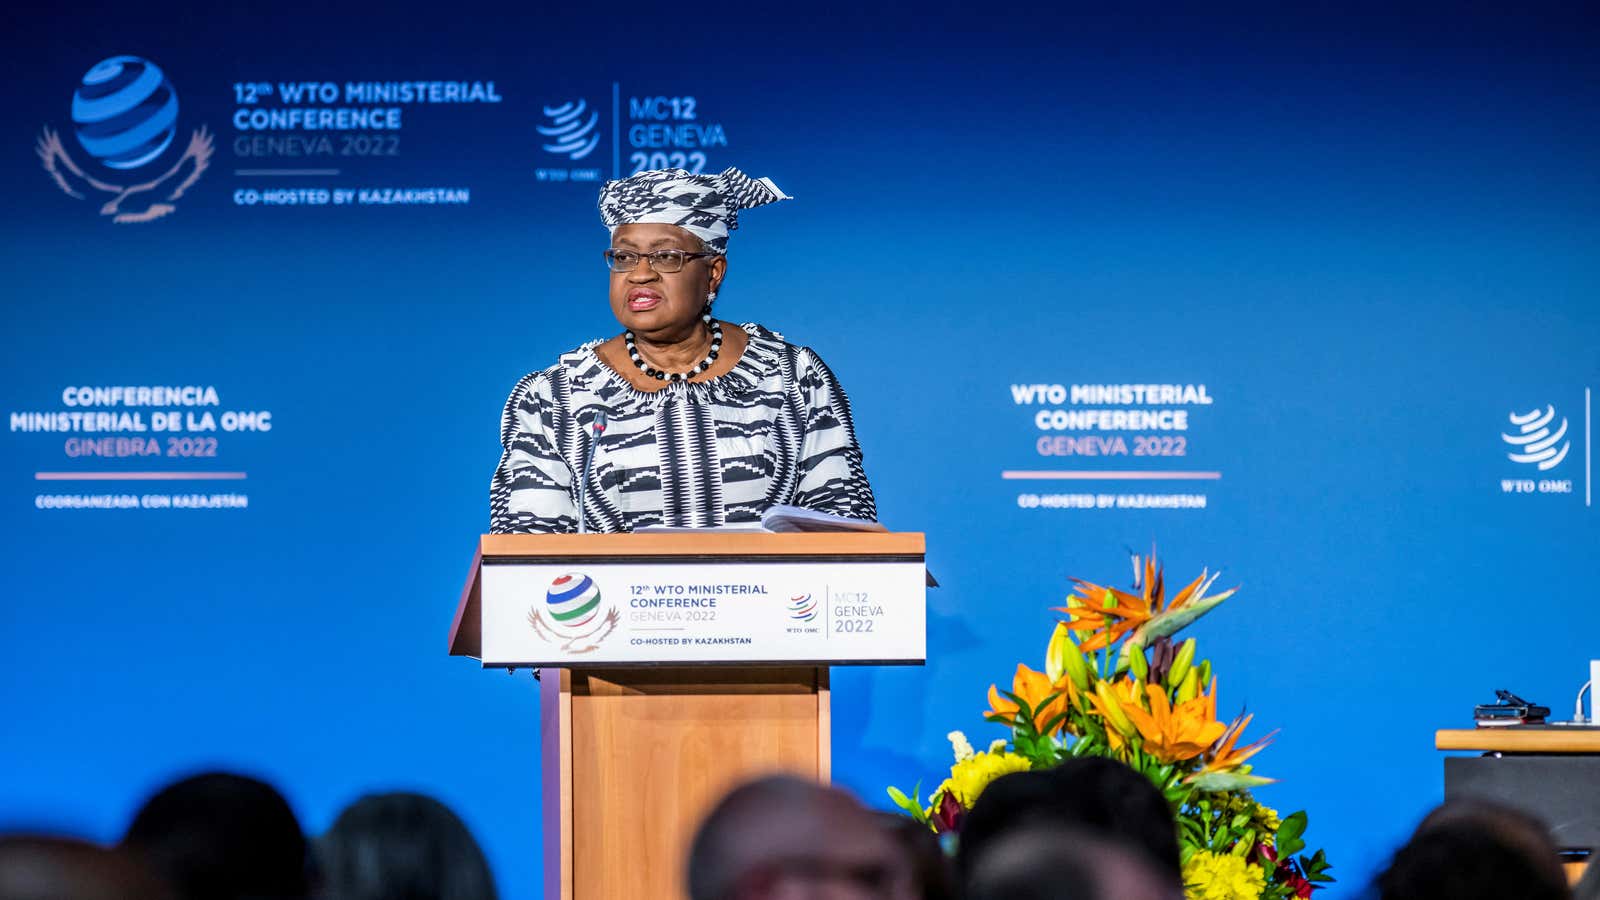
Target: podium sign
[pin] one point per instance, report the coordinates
(676, 665)
(674, 612)
(689, 598)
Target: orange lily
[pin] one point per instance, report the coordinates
(1033, 687)
(1175, 734)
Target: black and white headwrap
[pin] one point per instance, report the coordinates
(706, 206)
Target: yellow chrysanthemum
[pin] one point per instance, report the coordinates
(1222, 876)
(970, 776)
(1267, 818)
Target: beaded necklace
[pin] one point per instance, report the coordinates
(657, 374)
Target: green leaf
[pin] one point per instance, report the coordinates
(1024, 711)
(912, 807)
(1218, 782)
(1170, 623)
(1290, 831)
(1316, 867)
(1292, 826)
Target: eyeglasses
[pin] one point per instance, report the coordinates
(664, 261)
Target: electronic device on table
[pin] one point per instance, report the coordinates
(1509, 710)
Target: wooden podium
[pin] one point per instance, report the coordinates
(674, 665)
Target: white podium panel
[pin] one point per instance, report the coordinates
(673, 612)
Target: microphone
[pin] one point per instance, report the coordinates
(597, 427)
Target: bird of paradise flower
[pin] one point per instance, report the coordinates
(1105, 615)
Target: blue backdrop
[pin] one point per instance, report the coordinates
(1371, 238)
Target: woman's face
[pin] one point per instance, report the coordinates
(663, 305)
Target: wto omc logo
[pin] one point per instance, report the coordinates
(125, 116)
(1535, 442)
(573, 129)
(1539, 442)
(802, 608)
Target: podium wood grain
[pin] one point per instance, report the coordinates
(1519, 740)
(652, 749)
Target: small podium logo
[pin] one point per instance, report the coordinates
(802, 608)
(573, 614)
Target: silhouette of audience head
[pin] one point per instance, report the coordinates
(220, 836)
(780, 837)
(1467, 850)
(402, 847)
(1092, 795)
(40, 868)
(931, 875)
(1043, 862)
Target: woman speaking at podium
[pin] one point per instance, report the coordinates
(691, 421)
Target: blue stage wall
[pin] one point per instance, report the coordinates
(1370, 238)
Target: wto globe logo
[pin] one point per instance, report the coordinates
(125, 116)
(802, 608)
(1535, 441)
(573, 135)
(573, 614)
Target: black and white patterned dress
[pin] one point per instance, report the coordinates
(775, 429)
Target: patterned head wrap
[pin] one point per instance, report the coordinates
(706, 206)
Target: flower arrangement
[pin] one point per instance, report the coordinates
(1116, 684)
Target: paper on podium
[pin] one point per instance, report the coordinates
(740, 528)
(793, 518)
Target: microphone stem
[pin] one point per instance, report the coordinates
(597, 428)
